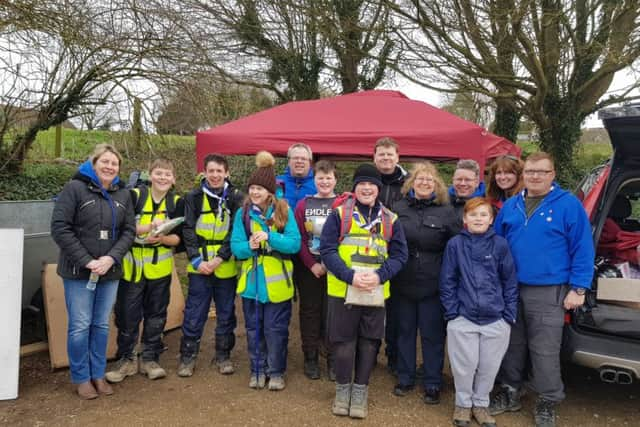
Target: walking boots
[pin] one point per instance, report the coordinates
(359, 401)
(341, 402)
(311, 366)
(124, 368)
(507, 399)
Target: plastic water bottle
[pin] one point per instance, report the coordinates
(93, 281)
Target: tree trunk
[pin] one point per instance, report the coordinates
(507, 123)
(561, 135)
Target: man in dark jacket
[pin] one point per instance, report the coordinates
(209, 212)
(386, 157)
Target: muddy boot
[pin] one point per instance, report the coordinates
(461, 416)
(482, 417)
(311, 367)
(341, 402)
(152, 370)
(359, 401)
(225, 366)
(545, 414)
(276, 383)
(186, 366)
(257, 381)
(124, 368)
(507, 399)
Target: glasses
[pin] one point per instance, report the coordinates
(424, 180)
(299, 159)
(536, 172)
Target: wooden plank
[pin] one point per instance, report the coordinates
(33, 348)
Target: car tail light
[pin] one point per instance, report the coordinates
(567, 318)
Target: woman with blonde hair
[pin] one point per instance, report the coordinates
(93, 224)
(505, 180)
(429, 221)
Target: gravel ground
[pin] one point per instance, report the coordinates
(46, 397)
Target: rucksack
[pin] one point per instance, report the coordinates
(348, 200)
(138, 179)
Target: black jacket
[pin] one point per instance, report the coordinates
(82, 227)
(192, 208)
(427, 227)
(392, 186)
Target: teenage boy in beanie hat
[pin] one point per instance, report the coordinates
(264, 237)
(383, 253)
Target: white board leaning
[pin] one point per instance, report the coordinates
(10, 308)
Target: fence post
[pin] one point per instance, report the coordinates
(58, 149)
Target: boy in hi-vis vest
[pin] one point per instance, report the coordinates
(144, 289)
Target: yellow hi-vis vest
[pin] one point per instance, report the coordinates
(278, 272)
(211, 230)
(152, 261)
(360, 248)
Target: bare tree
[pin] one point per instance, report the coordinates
(56, 56)
(549, 60)
(296, 49)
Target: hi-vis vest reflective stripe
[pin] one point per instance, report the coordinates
(278, 272)
(359, 248)
(154, 261)
(211, 230)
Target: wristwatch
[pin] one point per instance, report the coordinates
(579, 291)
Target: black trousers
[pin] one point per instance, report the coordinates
(148, 300)
(312, 292)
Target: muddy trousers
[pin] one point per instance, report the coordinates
(475, 353)
(148, 300)
(312, 292)
(267, 335)
(537, 337)
(202, 289)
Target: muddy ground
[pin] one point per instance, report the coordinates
(46, 397)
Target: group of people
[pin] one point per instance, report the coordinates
(491, 270)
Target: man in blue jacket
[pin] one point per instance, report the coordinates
(298, 177)
(550, 238)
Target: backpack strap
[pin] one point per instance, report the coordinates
(141, 194)
(387, 224)
(345, 220)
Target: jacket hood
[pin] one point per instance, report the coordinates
(397, 176)
(478, 193)
(86, 171)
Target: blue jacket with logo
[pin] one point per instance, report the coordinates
(553, 245)
(478, 279)
(295, 189)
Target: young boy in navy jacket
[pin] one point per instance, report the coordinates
(479, 293)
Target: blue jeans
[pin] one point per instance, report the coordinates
(271, 334)
(88, 330)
